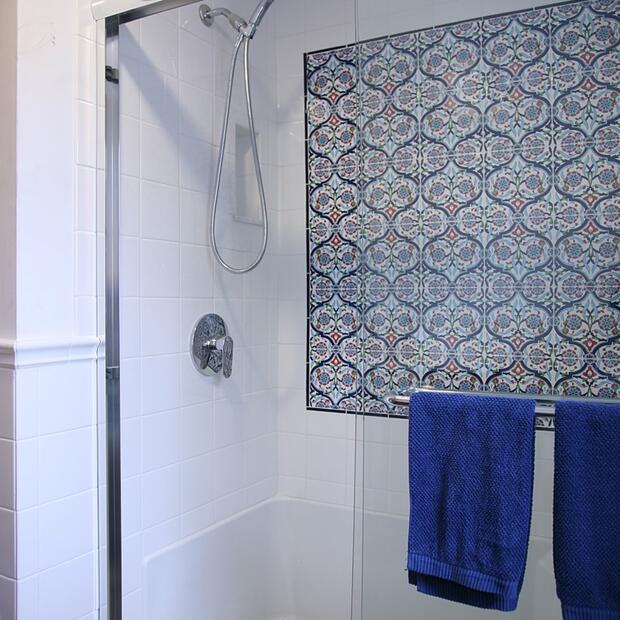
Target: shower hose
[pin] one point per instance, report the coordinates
(245, 41)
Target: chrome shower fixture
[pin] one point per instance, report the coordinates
(246, 30)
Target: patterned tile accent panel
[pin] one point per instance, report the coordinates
(463, 209)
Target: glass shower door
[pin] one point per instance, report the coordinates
(467, 214)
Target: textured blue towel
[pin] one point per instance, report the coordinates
(471, 464)
(586, 510)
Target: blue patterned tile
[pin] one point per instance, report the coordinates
(463, 210)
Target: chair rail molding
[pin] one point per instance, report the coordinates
(27, 353)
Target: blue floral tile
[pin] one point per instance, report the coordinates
(463, 209)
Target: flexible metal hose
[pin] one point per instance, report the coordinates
(245, 41)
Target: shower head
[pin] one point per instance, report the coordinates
(207, 15)
(245, 28)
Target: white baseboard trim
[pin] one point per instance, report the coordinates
(26, 353)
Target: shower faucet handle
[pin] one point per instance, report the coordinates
(211, 357)
(208, 358)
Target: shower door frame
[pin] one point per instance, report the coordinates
(111, 203)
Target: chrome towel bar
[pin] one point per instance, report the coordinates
(545, 405)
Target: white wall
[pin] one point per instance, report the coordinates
(47, 385)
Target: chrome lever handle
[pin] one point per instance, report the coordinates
(210, 357)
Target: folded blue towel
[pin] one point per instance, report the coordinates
(586, 510)
(471, 464)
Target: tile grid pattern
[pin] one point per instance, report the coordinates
(463, 225)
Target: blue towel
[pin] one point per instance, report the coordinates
(586, 510)
(471, 464)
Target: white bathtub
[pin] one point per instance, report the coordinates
(289, 559)
(284, 559)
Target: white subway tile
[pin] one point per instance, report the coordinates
(131, 503)
(66, 464)
(8, 598)
(293, 455)
(196, 271)
(195, 61)
(292, 414)
(129, 206)
(159, 211)
(159, 98)
(159, 268)
(72, 521)
(129, 146)
(326, 492)
(228, 422)
(131, 393)
(229, 469)
(195, 387)
(131, 447)
(10, 385)
(130, 326)
(160, 383)
(159, 328)
(129, 278)
(160, 439)
(132, 563)
(159, 154)
(7, 479)
(85, 263)
(327, 459)
(195, 210)
(196, 430)
(195, 112)
(161, 493)
(292, 366)
(291, 143)
(162, 535)
(86, 140)
(85, 199)
(196, 164)
(261, 459)
(292, 487)
(199, 519)
(197, 482)
(69, 591)
(7, 543)
(66, 396)
(159, 39)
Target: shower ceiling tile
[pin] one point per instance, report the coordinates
(463, 219)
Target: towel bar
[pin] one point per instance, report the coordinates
(545, 405)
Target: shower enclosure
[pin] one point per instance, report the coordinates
(425, 228)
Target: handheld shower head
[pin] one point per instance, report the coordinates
(259, 12)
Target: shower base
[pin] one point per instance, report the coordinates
(284, 559)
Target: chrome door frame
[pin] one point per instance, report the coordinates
(113, 530)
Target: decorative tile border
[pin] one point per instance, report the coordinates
(463, 209)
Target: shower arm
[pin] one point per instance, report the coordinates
(243, 27)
